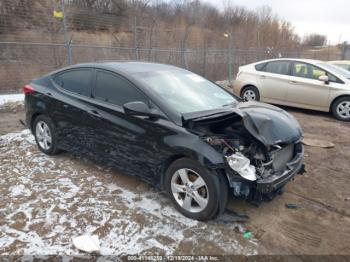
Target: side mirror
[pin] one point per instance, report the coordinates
(324, 79)
(139, 108)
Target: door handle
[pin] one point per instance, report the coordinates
(94, 113)
(293, 82)
(263, 76)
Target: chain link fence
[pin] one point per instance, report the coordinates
(64, 34)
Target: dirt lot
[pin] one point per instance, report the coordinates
(10, 115)
(48, 200)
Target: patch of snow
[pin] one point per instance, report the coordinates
(54, 199)
(87, 243)
(11, 98)
(19, 190)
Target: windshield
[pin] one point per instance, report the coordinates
(336, 69)
(185, 92)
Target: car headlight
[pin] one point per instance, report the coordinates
(242, 166)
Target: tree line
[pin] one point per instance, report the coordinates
(180, 24)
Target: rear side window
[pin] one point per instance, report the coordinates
(115, 89)
(278, 67)
(260, 67)
(301, 70)
(77, 81)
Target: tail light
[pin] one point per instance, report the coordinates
(27, 89)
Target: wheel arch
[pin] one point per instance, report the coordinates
(35, 115)
(335, 99)
(245, 86)
(203, 160)
(165, 165)
(32, 120)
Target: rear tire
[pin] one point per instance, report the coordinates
(45, 135)
(195, 192)
(341, 108)
(250, 93)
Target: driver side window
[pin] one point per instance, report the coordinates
(316, 72)
(116, 90)
(310, 71)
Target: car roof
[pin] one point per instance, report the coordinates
(127, 66)
(291, 59)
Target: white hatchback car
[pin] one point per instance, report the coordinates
(303, 83)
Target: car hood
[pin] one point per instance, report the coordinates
(269, 124)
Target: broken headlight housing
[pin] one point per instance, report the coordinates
(241, 164)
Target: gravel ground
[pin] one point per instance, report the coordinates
(10, 116)
(46, 201)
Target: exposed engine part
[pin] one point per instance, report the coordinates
(242, 166)
(244, 146)
(282, 156)
(236, 144)
(245, 149)
(233, 145)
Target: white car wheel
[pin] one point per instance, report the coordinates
(250, 93)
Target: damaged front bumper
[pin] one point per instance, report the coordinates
(276, 181)
(270, 184)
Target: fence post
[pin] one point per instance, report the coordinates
(204, 70)
(344, 49)
(66, 41)
(230, 58)
(185, 58)
(135, 39)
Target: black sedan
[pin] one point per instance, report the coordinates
(169, 126)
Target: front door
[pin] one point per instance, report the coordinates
(305, 88)
(126, 142)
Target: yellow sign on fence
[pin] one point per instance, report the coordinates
(58, 14)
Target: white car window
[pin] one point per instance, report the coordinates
(305, 70)
(336, 69)
(278, 67)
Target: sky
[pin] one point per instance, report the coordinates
(326, 17)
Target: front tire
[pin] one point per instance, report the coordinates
(194, 191)
(250, 93)
(341, 108)
(45, 135)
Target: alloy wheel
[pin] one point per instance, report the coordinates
(249, 95)
(189, 190)
(43, 135)
(343, 109)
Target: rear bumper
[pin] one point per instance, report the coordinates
(28, 115)
(237, 85)
(274, 182)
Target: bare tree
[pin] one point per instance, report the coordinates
(315, 40)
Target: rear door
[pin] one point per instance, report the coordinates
(305, 89)
(274, 79)
(69, 107)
